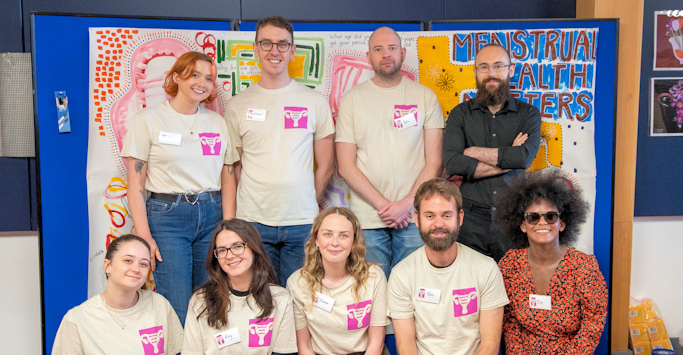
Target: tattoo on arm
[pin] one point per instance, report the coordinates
(144, 195)
(231, 169)
(139, 164)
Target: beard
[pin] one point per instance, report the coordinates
(438, 244)
(388, 73)
(492, 98)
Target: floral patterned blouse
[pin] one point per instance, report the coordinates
(579, 300)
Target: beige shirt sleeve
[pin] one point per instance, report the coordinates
(137, 140)
(299, 303)
(324, 120)
(434, 118)
(233, 123)
(192, 339)
(379, 315)
(399, 297)
(344, 129)
(286, 341)
(67, 340)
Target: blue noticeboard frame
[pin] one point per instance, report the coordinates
(60, 63)
(604, 124)
(250, 25)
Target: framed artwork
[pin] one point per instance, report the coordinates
(667, 44)
(666, 106)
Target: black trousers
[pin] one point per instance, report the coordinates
(481, 231)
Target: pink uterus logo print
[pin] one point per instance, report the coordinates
(465, 302)
(219, 340)
(211, 143)
(358, 316)
(152, 340)
(260, 332)
(421, 293)
(403, 110)
(296, 117)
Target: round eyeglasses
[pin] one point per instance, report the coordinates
(236, 249)
(268, 45)
(534, 217)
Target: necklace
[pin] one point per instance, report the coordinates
(194, 123)
(112, 316)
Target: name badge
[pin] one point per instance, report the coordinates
(256, 114)
(540, 302)
(324, 302)
(405, 122)
(428, 295)
(229, 337)
(170, 138)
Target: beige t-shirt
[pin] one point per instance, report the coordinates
(344, 329)
(390, 157)
(470, 284)
(180, 162)
(276, 130)
(150, 327)
(274, 334)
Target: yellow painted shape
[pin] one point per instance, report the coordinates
(552, 134)
(239, 47)
(439, 74)
(296, 67)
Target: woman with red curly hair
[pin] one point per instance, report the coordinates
(180, 177)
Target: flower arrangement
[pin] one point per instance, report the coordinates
(674, 32)
(673, 98)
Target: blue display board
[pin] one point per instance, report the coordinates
(604, 105)
(60, 62)
(250, 25)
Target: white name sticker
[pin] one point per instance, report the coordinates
(405, 122)
(256, 114)
(540, 302)
(428, 295)
(170, 138)
(229, 337)
(324, 302)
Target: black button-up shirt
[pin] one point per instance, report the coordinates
(472, 125)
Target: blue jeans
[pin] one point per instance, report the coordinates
(183, 233)
(389, 246)
(285, 247)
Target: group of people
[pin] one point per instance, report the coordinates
(227, 214)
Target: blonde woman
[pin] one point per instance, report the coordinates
(340, 302)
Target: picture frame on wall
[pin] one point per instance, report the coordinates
(666, 107)
(667, 42)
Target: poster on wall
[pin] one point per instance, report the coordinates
(555, 70)
(667, 46)
(666, 107)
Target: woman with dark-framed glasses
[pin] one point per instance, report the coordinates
(558, 297)
(240, 310)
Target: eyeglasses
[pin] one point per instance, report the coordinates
(236, 249)
(533, 217)
(268, 45)
(497, 68)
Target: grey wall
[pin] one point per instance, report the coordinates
(18, 175)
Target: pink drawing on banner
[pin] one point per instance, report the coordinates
(260, 332)
(403, 110)
(296, 117)
(152, 340)
(211, 143)
(347, 69)
(358, 316)
(465, 302)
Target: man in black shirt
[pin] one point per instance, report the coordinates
(489, 141)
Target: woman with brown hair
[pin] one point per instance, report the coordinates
(124, 319)
(240, 310)
(180, 177)
(340, 301)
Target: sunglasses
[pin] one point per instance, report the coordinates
(550, 217)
